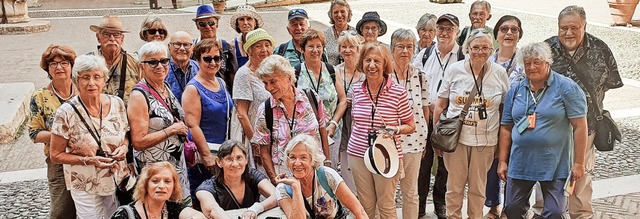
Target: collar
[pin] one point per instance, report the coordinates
(387, 84)
(290, 46)
(173, 66)
(549, 82)
(453, 50)
(299, 97)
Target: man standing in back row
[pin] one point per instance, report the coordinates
(589, 62)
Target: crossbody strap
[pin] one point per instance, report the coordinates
(472, 96)
(94, 135)
(123, 75)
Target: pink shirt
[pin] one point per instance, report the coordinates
(393, 107)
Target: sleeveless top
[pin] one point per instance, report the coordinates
(239, 55)
(171, 148)
(213, 117)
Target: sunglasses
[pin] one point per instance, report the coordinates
(350, 32)
(208, 59)
(512, 29)
(154, 31)
(154, 63)
(477, 31)
(297, 12)
(204, 24)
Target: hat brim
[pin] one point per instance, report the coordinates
(254, 15)
(384, 157)
(206, 16)
(298, 16)
(381, 23)
(448, 20)
(96, 28)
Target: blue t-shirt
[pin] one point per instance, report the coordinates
(545, 152)
(178, 79)
(213, 118)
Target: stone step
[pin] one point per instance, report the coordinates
(15, 108)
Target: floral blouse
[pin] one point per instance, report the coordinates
(67, 124)
(304, 122)
(43, 108)
(326, 91)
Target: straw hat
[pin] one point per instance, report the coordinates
(109, 23)
(256, 36)
(242, 11)
(382, 158)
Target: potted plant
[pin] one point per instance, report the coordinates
(622, 11)
(219, 5)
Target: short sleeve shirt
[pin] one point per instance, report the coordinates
(67, 124)
(418, 91)
(249, 87)
(323, 205)
(178, 78)
(326, 91)
(43, 108)
(544, 152)
(456, 86)
(226, 200)
(435, 67)
(304, 122)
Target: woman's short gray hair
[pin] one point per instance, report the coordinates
(87, 63)
(276, 65)
(540, 50)
(151, 48)
(312, 146)
(427, 20)
(402, 34)
(476, 34)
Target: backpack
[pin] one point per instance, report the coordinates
(268, 112)
(430, 49)
(332, 72)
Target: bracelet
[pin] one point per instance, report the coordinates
(84, 160)
(398, 127)
(327, 161)
(165, 133)
(333, 122)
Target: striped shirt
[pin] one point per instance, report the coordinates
(393, 107)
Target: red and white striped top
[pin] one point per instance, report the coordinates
(393, 107)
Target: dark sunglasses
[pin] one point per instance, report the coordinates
(477, 31)
(513, 29)
(204, 24)
(208, 59)
(154, 63)
(350, 32)
(154, 31)
(297, 11)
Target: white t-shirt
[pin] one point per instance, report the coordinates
(456, 86)
(434, 69)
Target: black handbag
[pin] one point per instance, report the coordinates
(607, 132)
(447, 130)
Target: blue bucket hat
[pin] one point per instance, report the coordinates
(205, 11)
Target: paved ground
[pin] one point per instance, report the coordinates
(20, 55)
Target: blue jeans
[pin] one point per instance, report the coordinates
(493, 186)
(519, 191)
(197, 174)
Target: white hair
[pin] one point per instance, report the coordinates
(476, 34)
(310, 144)
(86, 63)
(274, 66)
(151, 48)
(540, 50)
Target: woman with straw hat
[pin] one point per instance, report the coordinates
(244, 21)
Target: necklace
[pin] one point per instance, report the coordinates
(162, 213)
(73, 93)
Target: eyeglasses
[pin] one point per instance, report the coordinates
(230, 159)
(208, 59)
(88, 78)
(444, 29)
(372, 29)
(177, 45)
(350, 32)
(204, 24)
(403, 47)
(64, 64)
(513, 30)
(154, 31)
(481, 49)
(109, 35)
(311, 47)
(154, 62)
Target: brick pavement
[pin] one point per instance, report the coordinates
(623, 206)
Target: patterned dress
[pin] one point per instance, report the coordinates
(171, 148)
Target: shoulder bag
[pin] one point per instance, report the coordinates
(447, 130)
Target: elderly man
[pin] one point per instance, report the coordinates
(298, 24)
(123, 67)
(434, 60)
(479, 14)
(588, 61)
(207, 21)
(181, 67)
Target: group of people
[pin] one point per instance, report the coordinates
(198, 127)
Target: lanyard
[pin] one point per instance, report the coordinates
(510, 62)
(443, 67)
(535, 99)
(344, 75)
(375, 103)
(475, 81)
(315, 88)
(291, 122)
(406, 78)
(310, 210)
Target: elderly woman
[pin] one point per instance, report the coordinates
(413, 145)
(88, 135)
(157, 132)
(478, 137)
(556, 131)
(57, 61)
(339, 16)
(426, 28)
(508, 31)
(249, 91)
(157, 195)
(371, 27)
(349, 44)
(318, 189)
(153, 28)
(316, 75)
(236, 185)
(207, 105)
(377, 102)
(244, 21)
(289, 112)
